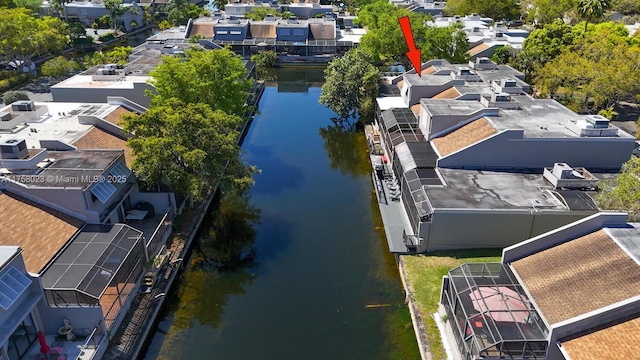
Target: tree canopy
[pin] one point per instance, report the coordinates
(119, 55)
(12, 96)
(623, 193)
(180, 11)
(23, 36)
(543, 12)
(59, 66)
(350, 80)
(33, 5)
(385, 42)
(259, 13)
(217, 78)
(116, 9)
(495, 9)
(596, 71)
(188, 146)
(592, 10)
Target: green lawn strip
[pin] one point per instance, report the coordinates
(424, 275)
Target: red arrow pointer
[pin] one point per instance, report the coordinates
(413, 54)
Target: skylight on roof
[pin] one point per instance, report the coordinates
(120, 171)
(12, 284)
(103, 191)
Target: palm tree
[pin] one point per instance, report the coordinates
(592, 10)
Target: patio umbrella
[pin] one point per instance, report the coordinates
(44, 348)
(497, 301)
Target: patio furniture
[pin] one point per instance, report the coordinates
(136, 215)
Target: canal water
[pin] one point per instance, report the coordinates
(322, 284)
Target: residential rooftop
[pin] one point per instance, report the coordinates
(75, 169)
(61, 122)
(86, 81)
(7, 252)
(585, 274)
(545, 118)
(493, 190)
(40, 231)
(609, 342)
(97, 138)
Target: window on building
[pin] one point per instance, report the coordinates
(120, 171)
(221, 32)
(298, 32)
(22, 339)
(236, 32)
(284, 32)
(103, 191)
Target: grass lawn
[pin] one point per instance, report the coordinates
(424, 275)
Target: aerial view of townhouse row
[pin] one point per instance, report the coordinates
(279, 180)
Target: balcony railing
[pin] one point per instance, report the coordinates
(161, 232)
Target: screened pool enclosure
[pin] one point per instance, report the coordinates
(98, 268)
(490, 314)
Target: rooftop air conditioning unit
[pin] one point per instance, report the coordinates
(598, 121)
(464, 71)
(499, 34)
(5, 116)
(483, 60)
(106, 71)
(23, 105)
(508, 83)
(500, 97)
(14, 149)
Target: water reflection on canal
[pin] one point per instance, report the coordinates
(320, 256)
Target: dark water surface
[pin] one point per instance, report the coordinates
(321, 255)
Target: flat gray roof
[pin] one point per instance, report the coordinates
(416, 80)
(452, 106)
(72, 169)
(6, 253)
(493, 190)
(627, 238)
(540, 118)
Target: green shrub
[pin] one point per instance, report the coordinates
(106, 37)
(12, 96)
(265, 59)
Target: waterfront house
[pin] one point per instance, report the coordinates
(54, 267)
(466, 144)
(571, 293)
(58, 157)
(292, 30)
(230, 29)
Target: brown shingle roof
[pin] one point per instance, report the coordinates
(450, 93)
(41, 232)
(323, 31)
(621, 341)
(204, 29)
(416, 109)
(579, 276)
(114, 117)
(469, 134)
(477, 49)
(98, 139)
(429, 70)
(263, 31)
